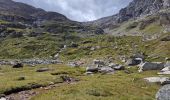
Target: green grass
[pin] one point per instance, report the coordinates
(9, 77)
(119, 86)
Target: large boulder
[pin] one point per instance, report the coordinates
(151, 66)
(163, 93)
(134, 61)
(92, 69)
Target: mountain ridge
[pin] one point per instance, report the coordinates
(136, 9)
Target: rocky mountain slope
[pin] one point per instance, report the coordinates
(21, 16)
(142, 12)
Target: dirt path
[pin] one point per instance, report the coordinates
(27, 95)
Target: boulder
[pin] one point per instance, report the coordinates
(100, 63)
(2, 98)
(18, 65)
(163, 93)
(42, 70)
(106, 70)
(119, 67)
(92, 69)
(157, 79)
(134, 61)
(151, 66)
(166, 70)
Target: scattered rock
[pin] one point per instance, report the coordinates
(163, 93)
(75, 64)
(112, 65)
(119, 67)
(68, 79)
(106, 70)
(89, 73)
(18, 65)
(92, 69)
(157, 79)
(151, 66)
(134, 61)
(98, 62)
(42, 70)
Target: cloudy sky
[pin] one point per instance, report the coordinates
(80, 10)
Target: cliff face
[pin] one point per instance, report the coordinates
(137, 8)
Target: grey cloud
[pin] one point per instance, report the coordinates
(80, 10)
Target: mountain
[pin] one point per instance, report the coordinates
(26, 15)
(28, 32)
(138, 10)
(11, 11)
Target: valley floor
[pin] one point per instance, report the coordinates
(49, 85)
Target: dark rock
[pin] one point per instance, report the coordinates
(167, 38)
(42, 70)
(119, 67)
(151, 66)
(163, 93)
(18, 65)
(91, 69)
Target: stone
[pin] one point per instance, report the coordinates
(92, 69)
(157, 79)
(42, 70)
(167, 64)
(119, 67)
(106, 70)
(151, 66)
(163, 93)
(112, 65)
(134, 61)
(98, 62)
(3, 98)
(18, 65)
(89, 73)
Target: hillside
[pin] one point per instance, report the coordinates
(46, 56)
